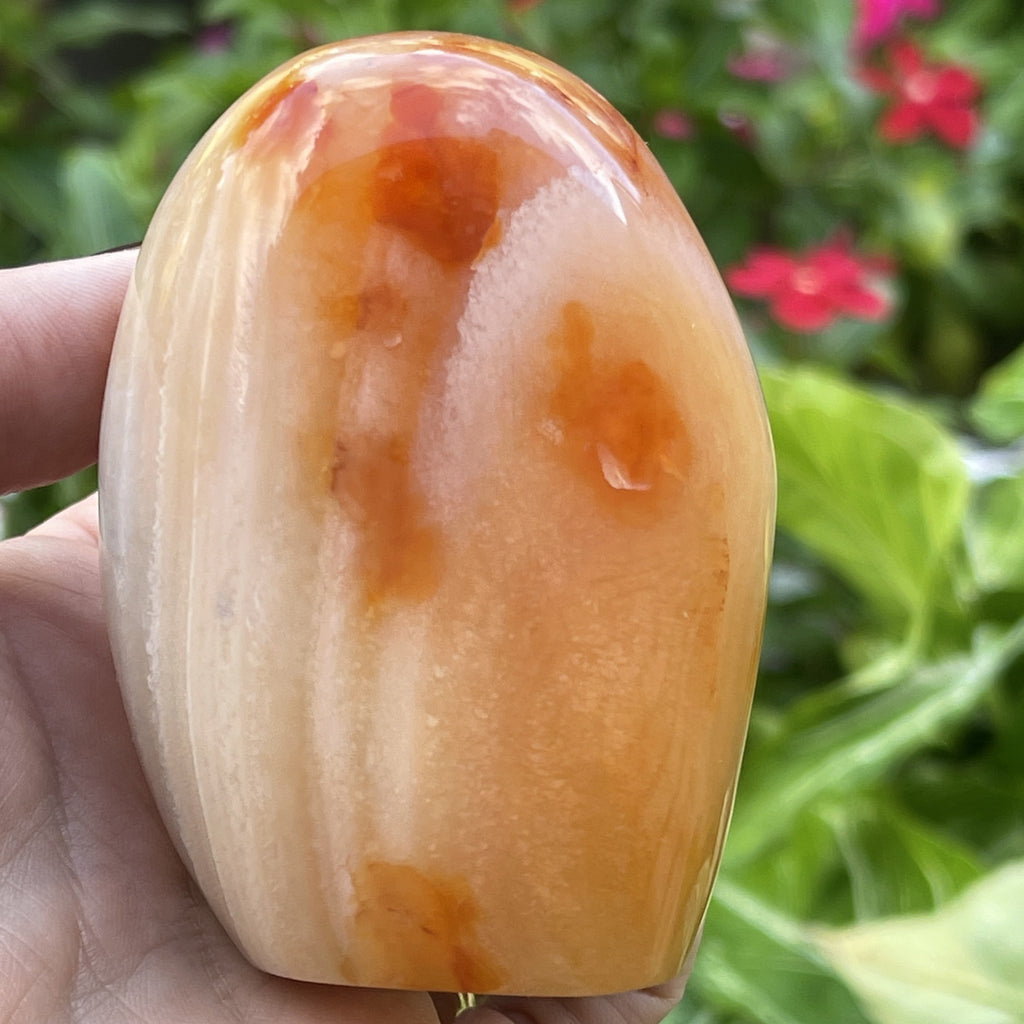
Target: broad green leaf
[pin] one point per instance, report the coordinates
(96, 208)
(762, 964)
(963, 963)
(856, 745)
(895, 863)
(859, 857)
(998, 411)
(799, 878)
(994, 532)
(875, 486)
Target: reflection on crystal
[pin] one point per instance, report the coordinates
(617, 474)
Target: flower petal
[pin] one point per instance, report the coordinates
(956, 84)
(765, 271)
(836, 265)
(957, 126)
(902, 122)
(864, 304)
(801, 312)
(906, 58)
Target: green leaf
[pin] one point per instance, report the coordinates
(963, 963)
(84, 24)
(998, 411)
(976, 799)
(22, 511)
(859, 857)
(759, 962)
(995, 543)
(29, 190)
(97, 213)
(874, 485)
(850, 747)
(895, 863)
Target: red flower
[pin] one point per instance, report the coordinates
(877, 19)
(926, 97)
(808, 292)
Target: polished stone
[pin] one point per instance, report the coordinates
(437, 498)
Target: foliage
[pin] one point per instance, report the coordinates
(878, 837)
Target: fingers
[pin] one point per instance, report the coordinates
(648, 1006)
(77, 522)
(446, 1006)
(57, 324)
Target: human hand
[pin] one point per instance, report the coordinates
(99, 921)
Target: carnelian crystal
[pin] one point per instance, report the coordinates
(437, 498)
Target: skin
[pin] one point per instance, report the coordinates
(99, 921)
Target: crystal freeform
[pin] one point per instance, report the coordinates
(437, 496)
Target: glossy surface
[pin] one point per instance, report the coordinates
(436, 496)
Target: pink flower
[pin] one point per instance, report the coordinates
(760, 67)
(216, 38)
(936, 98)
(810, 291)
(672, 124)
(765, 59)
(738, 125)
(878, 19)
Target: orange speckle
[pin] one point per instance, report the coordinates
(266, 102)
(441, 193)
(422, 927)
(620, 423)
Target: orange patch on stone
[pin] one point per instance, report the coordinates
(400, 551)
(423, 927)
(441, 193)
(620, 424)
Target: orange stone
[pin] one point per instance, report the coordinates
(437, 500)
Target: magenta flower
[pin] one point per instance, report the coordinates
(877, 20)
(216, 38)
(810, 291)
(925, 98)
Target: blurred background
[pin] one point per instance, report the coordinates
(857, 170)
